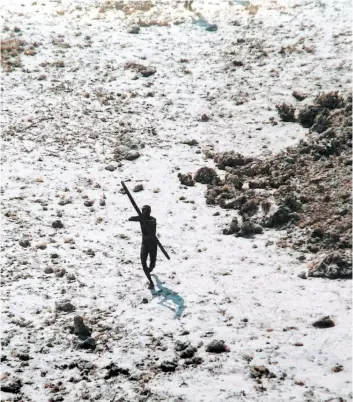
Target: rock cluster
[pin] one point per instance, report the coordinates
(305, 189)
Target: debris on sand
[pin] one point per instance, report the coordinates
(334, 265)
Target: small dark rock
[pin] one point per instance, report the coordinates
(307, 115)
(191, 143)
(88, 203)
(300, 96)
(196, 361)
(181, 345)
(188, 352)
(111, 168)
(64, 306)
(260, 371)
(324, 322)
(57, 224)
(114, 371)
(238, 63)
(249, 229)
(286, 112)
(168, 366)
(186, 179)
(205, 175)
(147, 72)
(131, 155)
(137, 188)
(217, 346)
(23, 356)
(24, 243)
(12, 385)
(60, 272)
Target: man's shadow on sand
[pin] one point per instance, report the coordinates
(169, 295)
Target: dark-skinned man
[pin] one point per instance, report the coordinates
(149, 241)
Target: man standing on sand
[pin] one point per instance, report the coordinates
(149, 241)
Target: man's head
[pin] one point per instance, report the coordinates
(146, 210)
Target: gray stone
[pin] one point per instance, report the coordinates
(64, 306)
(57, 224)
(137, 188)
(133, 29)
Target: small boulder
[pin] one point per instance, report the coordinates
(205, 175)
(186, 179)
(88, 203)
(133, 29)
(259, 372)
(168, 366)
(249, 229)
(131, 155)
(24, 243)
(324, 322)
(233, 227)
(57, 224)
(217, 346)
(148, 71)
(307, 115)
(303, 275)
(181, 345)
(300, 96)
(70, 277)
(110, 168)
(48, 270)
(195, 361)
(11, 385)
(188, 353)
(137, 188)
(286, 112)
(60, 272)
(115, 371)
(234, 181)
(190, 142)
(64, 306)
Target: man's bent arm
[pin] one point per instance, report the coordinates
(135, 218)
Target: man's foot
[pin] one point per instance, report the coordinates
(151, 286)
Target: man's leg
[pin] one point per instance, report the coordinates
(153, 256)
(144, 254)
